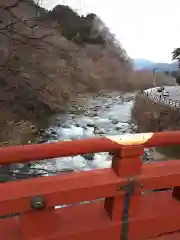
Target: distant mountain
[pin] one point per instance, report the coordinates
(143, 64)
(161, 67)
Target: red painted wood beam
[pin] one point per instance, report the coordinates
(83, 186)
(16, 196)
(17, 154)
(150, 215)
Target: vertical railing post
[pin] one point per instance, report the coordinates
(126, 164)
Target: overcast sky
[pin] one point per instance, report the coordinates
(146, 28)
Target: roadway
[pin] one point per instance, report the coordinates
(173, 92)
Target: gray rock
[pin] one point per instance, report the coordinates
(53, 132)
(108, 106)
(89, 157)
(90, 124)
(124, 131)
(46, 135)
(100, 131)
(92, 115)
(97, 107)
(43, 140)
(65, 125)
(111, 153)
(114, 121)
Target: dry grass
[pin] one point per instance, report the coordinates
(153, 117)
(141, 80)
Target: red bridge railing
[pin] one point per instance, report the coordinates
(129, 209)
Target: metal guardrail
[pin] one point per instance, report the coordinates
(160, 99)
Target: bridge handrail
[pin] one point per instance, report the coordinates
(128, 179)
(34, 152)
(85, 186)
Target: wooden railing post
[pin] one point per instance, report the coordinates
(126, 164)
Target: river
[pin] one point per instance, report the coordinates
(104, 115)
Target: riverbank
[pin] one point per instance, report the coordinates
(20, 132)
(151, 116)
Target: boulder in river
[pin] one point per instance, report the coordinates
(100, 131)
(96, 108)
(53, 132)
(43, 140)
(89, 156)
(112, 153)
(91, 124)
(92, 114)
(46, 135)
(65, 125)
(108, 106)
(114, 121)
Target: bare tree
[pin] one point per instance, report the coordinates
(19, 32)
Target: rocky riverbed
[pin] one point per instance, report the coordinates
(103, 115)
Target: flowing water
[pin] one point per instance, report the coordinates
(103, 116)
